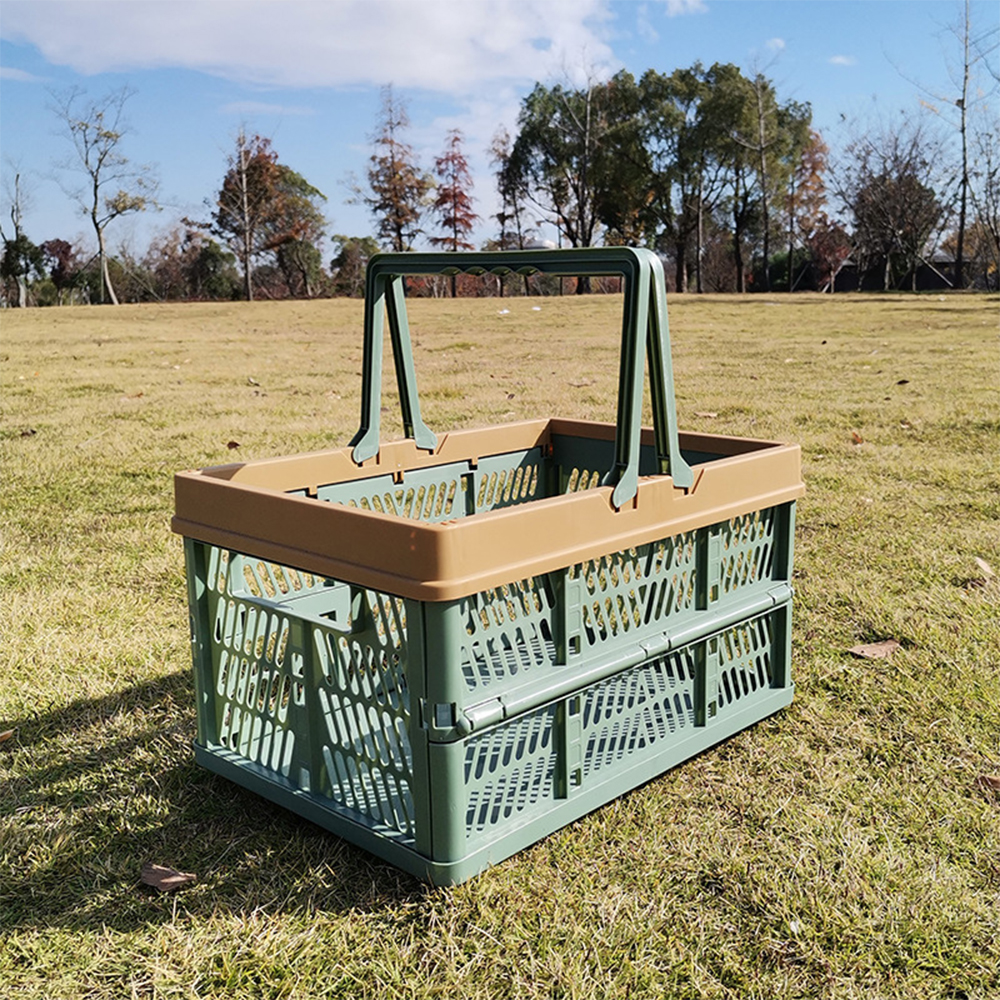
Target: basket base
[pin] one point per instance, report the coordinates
(390, 847)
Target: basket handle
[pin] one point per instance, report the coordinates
(644, 320)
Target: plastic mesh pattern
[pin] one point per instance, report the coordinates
(431, 495)
(628, 590)
(340, 728)
(747, 549)
(447, 492)
(364, 703)
(635, 710)
(507, 480)
(510, 769)
(257, 678)
(745, 665)
(509, 632)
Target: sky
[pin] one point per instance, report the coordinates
(308, 74)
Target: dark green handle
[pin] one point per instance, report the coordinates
(644, 319)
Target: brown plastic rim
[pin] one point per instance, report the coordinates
(247, 507)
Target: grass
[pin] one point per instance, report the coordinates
(841, 849)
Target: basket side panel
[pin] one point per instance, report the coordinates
(526, 776)
(306, 679)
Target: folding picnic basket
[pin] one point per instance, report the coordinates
(445, 648)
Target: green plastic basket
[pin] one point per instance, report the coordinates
(355, 663)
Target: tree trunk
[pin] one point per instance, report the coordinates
(245, 207)
(105, 272)
(682, 277)
(701, 239)
(791, 234)
(960, 249)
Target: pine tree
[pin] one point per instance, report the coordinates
(398, 188)
(453, 204)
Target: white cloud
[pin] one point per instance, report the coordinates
(260, 108)
(19, 75)
(775, 44)
(675, 8)
(644, 26)
(842, 61)
(438, 45)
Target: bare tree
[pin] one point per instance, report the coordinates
(887, 181)
(954, 107)
(114, 185)
(20, 256)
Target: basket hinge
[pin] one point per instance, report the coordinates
(709, 566)
(570, 728)
(569, 615)
(706, 681)
(444, 721)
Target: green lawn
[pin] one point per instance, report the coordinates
(845, 848)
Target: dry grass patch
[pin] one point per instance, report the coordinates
(844, 848)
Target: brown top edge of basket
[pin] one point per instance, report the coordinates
(254, 514)
(292, 472)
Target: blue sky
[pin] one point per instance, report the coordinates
(308, 74)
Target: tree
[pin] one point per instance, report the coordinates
(514, 231)
(826, 241)
(885, 183)
(986, 199)
(692, 119)
(62, 260)
(398, 187)
(453, 203)
(564, 157)
(347, 268)
(184, 264)
(683, 177)
(266, 208)
(954, 108)
(114, 185)
(295, 229)
(245, 201)
(21, 258)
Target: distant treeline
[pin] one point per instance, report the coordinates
(729, 183)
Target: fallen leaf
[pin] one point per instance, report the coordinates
(165, 879)
(28, 432)
(6, 735)
(875, 650)
(985, 567)
(510, 395)
(905, 424)
(252, 381)
(903, 381)
(708, 414)
(233, 445)
(857, 438)
(989, 781)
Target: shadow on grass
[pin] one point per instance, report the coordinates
(93, 791)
